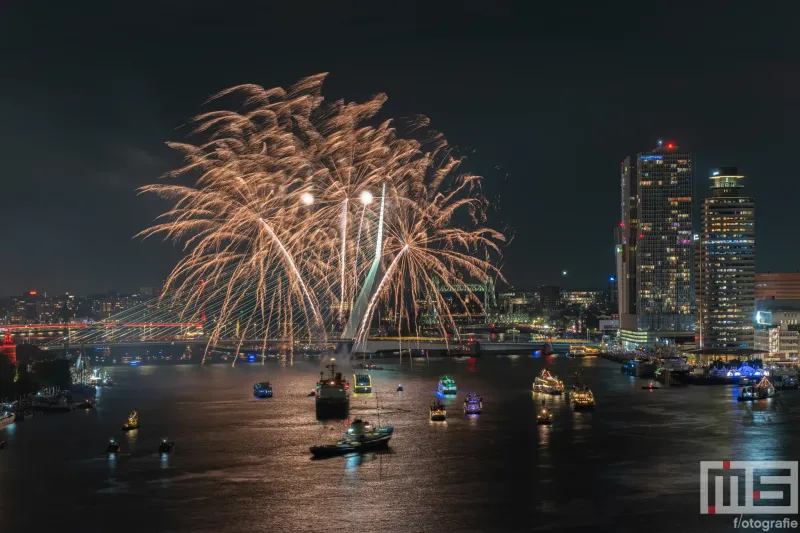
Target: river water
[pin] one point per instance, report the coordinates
(242, 464)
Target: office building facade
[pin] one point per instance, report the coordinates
(725, 274)
(778, 286)
(654, 248)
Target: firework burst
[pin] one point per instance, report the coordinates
(279, 228)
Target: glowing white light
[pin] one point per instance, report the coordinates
(307, 198)
(365, 197)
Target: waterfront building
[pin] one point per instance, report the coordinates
(654, 248)
(550, 298)
(777, 286)
(584, 299)
(725, 274)
(777, 328)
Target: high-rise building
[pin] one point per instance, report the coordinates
(778, 286)
(654, 248)
(725, 274)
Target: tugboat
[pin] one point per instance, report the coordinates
(262, 390)
(544, 416)
(761, 391)
(548, 383)
(473, 404)
(363, 383)
(581, 398)
(360, 437)
(166, 446)
(132, 423)
(438, 413)
(113, 446)
(447, 386)
(332, 398)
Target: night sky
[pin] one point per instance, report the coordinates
(544, 100)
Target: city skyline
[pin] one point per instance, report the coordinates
(105, 112)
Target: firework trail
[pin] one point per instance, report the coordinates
(278, 221)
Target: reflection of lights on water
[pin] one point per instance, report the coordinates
(164, 461)
(112, 461)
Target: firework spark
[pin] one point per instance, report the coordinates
(281, 219)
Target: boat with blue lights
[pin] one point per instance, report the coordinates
(362, 383)
(262, 390)
(361, 437)
(473, 404)
(332, 400)
(447, 385)
(760, 391)
(548, 383)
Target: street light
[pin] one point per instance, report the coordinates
(307, 198)
(365, 197)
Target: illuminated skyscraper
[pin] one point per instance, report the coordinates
(654, 248)
(726, 266)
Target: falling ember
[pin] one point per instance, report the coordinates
(282, 226)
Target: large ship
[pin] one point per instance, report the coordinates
(548, 383)
(332, 398)
(362, 383)
(447, 386)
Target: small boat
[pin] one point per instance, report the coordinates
(581, 398)
(166, 446)
(650, 387)
(473, 404)
(312, 393)
(360, 437)
(87, 404)
(399, 388)
(544, 416)
(548, 383)
(113, 446)
(132, 423)
(262, 390)
(363, 383)
(761, 391)
(447, 385)
(438, 412)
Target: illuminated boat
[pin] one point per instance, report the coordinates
(438, 413)
(332, 398)
(363, 383)
(132, 423)
(360, 437)
(544, 416)
(761, 391)
(473, 404)
(548, 383)
(447, 386)
(6, 416)
(581, 398)
(262, 390)
(166, 446)
(113, 446)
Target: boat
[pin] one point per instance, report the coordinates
(363, 383)
(6, 418)
(361, 437)
(132, 423)
(262, 390)
(447, 385)
(399, 388)
(113, 446)
(760, 391)
(312, 393)
(166, 446)
(650, 387)
(548, 383)
(473, 404)
(544, 416)
(87, 404)
(332, 398)
(438, 412)
(581, 398)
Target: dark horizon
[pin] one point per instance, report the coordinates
(544, 102)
